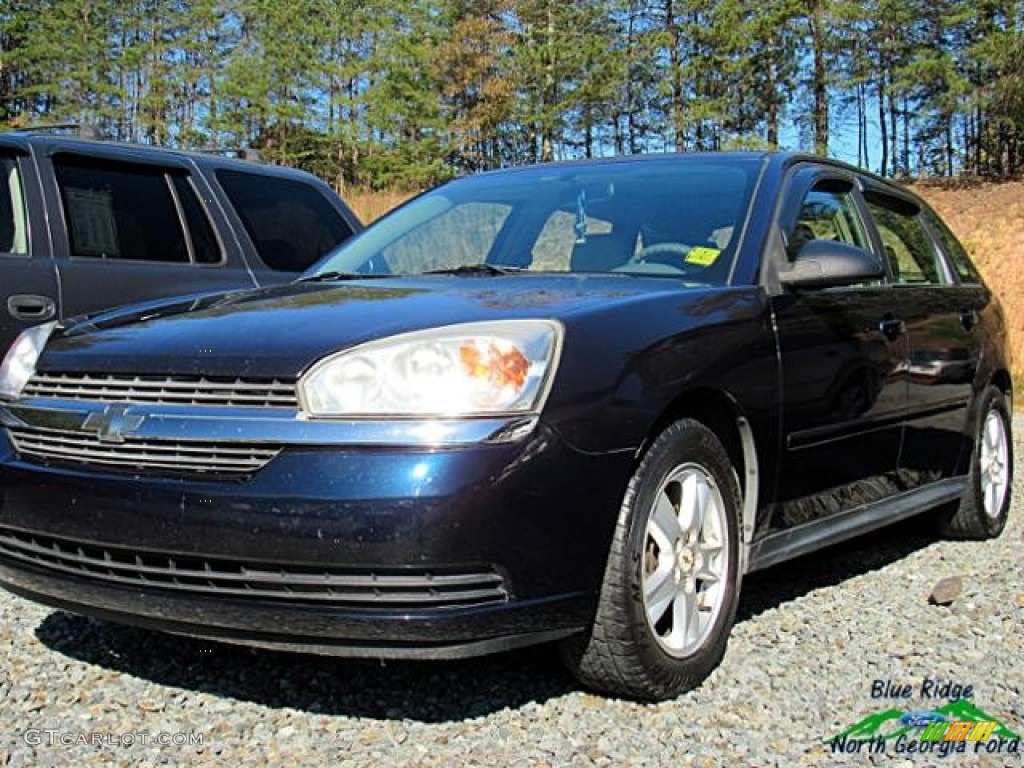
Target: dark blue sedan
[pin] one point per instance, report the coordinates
(573, 402)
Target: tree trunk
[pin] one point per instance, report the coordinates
(862, 126)
(893, 134)
(977, 140)
(629, 138)
(883, 166)
(968, 145)
(820, 82)
(949, 145)
(906, 136)
(676, 76)
(547, 152)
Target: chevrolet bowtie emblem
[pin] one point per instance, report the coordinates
(112, 423)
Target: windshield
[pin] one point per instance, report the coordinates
(678, 216)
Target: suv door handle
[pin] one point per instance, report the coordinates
(30, 307)
(892, 328)
(968, 318)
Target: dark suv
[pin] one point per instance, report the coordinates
(86, 225)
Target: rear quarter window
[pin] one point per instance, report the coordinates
(290, 223)
(955, 252)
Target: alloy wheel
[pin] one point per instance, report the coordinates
(685, 560)
(994, 462)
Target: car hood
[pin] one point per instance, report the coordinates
(281, 331)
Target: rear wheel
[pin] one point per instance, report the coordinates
(981, 512)
(670, 588)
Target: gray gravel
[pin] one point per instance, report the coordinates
(811, 637)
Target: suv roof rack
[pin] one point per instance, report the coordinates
(78, 129)
(239, 153)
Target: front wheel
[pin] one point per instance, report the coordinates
(982, 511)
(670, 589)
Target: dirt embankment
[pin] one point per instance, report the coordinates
(989, 220)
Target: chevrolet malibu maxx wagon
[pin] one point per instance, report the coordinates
(574, 402)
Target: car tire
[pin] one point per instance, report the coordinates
(670, 589)
(982, 510)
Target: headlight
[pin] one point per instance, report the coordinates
(460, 370)
(20, 362)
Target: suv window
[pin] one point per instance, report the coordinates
(131, 211)
(911, 253)
(828, 212)
(291, 224)
(954, 250)
(13, 225)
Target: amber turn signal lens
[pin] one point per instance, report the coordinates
(499, 367)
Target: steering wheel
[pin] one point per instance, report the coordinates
(669, 254)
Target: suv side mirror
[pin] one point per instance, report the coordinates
(830, 264)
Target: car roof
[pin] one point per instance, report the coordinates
(780, 158)
(129, 151)
(647, 158)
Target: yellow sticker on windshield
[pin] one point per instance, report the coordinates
(702, 256)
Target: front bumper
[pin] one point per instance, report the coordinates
(363, 550)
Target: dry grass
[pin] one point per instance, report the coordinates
(989, 220)
(370, 206)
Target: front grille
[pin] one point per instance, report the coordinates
(355, 587)
(171, 390)
(184, 459)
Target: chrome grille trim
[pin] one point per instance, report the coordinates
(356, 587)
(170, 390)
(179, 458)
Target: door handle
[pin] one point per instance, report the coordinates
(892, 328)
(968, 318)
(31, 307)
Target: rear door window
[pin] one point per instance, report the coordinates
(291, 224)
(132, 212)
(13, 222)
(912, 254)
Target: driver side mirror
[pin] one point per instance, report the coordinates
(830, 264)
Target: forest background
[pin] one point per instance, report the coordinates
(383, 98)
(401, 94)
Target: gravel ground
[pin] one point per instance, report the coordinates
(811, 637)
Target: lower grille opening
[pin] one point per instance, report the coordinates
(363, 588)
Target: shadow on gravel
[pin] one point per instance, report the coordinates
(771, 588)
(437, 691)
(418, 691)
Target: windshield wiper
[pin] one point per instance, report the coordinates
(484, 269)
(332, 275)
